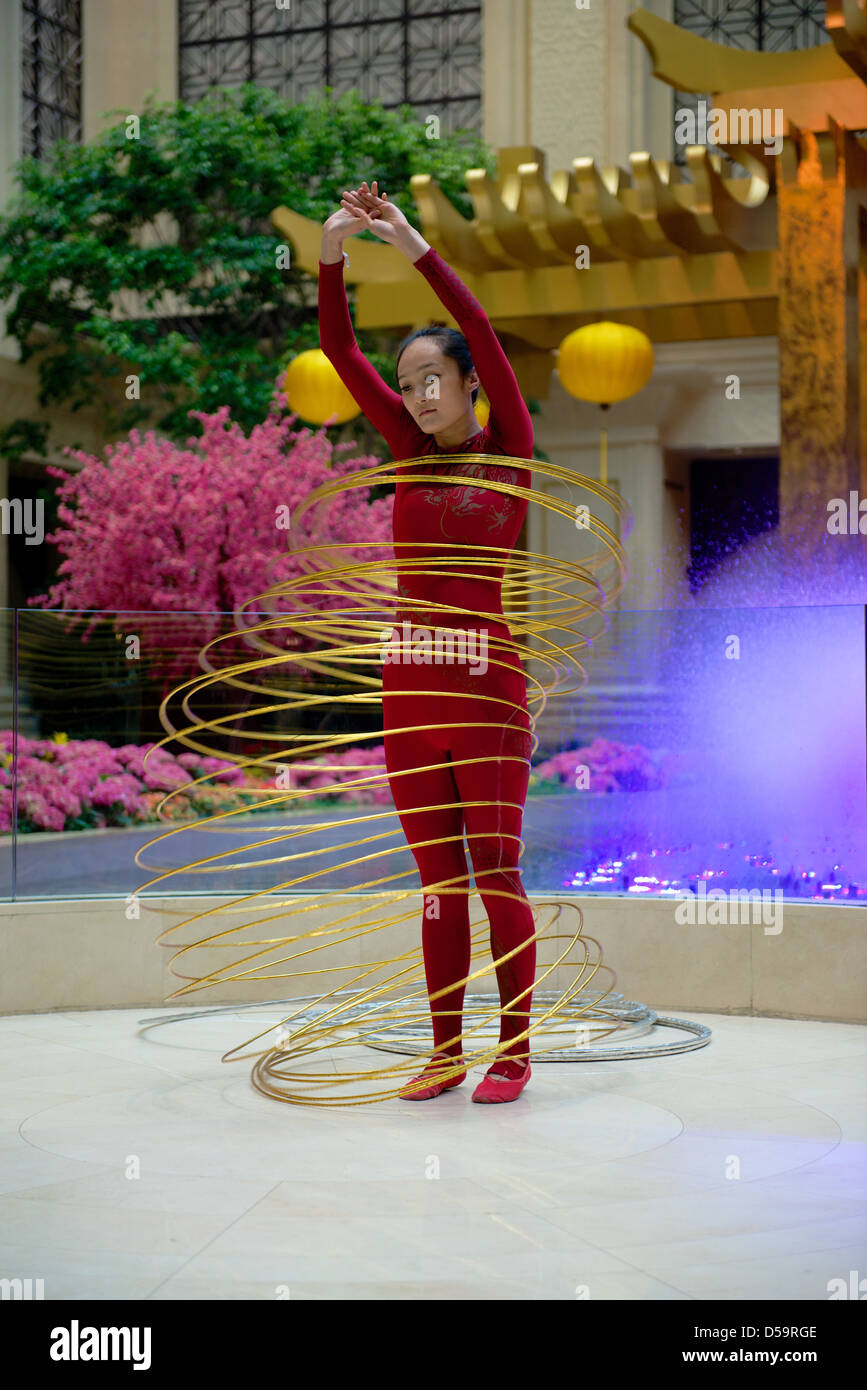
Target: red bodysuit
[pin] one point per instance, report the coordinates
(483, 787)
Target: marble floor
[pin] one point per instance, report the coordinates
(139, 1166)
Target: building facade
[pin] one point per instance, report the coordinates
(566, 77)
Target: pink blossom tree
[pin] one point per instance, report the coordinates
(154, 530)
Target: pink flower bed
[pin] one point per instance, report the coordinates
(83, 784)
(611, 766)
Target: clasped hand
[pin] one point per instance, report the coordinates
(365, 207)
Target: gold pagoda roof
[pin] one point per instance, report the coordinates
(681, 251)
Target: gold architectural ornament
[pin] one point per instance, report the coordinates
(376, 995)
(694, 64)
(605, 362)
(316, 392)
(846, 22)
(684, 253)
(809, 85)
(679, 253)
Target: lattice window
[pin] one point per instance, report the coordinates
(50, 73)
(425, 53)
(777, 26)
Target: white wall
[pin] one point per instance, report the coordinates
(682, 411)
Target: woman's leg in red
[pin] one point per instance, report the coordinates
(427, 802)
(493, 833)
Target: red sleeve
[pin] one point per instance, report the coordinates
(510, 422)
(382, 406)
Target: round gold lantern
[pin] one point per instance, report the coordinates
(315, 392)
(605, 362)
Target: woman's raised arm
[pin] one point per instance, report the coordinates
(510, 424)
(380, 404)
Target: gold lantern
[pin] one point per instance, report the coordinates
(315, 392)
(605, 362)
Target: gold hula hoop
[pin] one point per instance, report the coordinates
(540, 606)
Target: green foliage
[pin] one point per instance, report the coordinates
(23, 437)
(126, 224)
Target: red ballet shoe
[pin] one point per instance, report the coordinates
(422, 1087)
(494, 1087)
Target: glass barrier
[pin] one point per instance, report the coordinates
(710, 749)
(7, 722)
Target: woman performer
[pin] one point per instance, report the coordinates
(483, 785)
